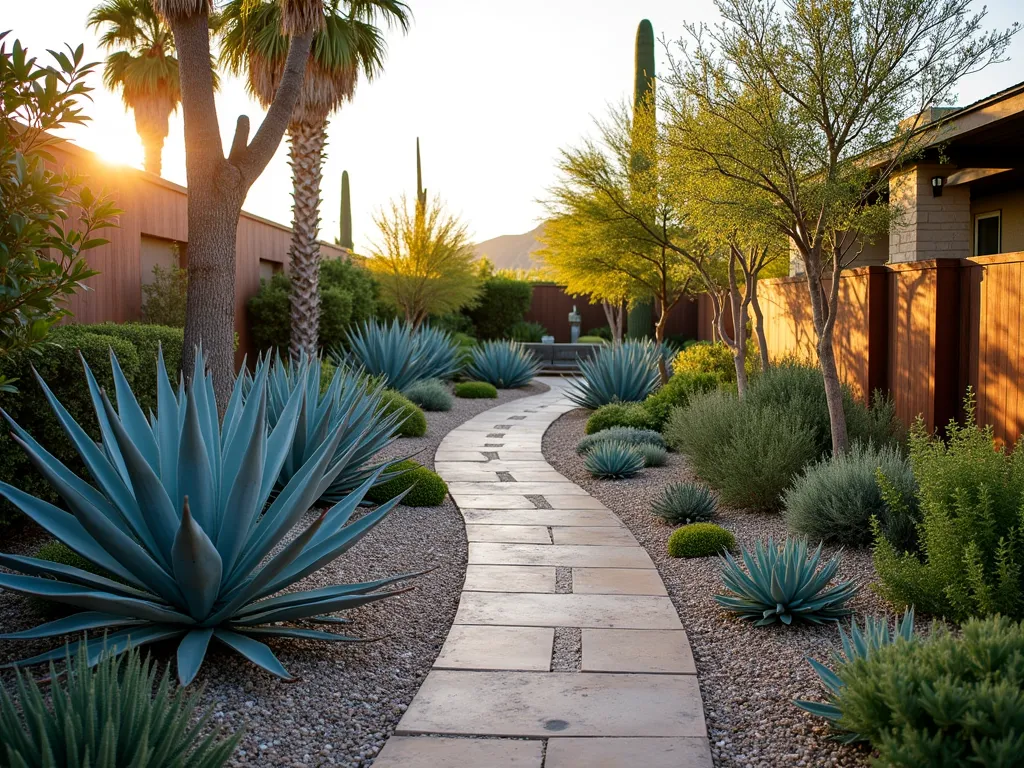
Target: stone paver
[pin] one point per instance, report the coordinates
(554, 517)
(477, 647)
(521, 534)
(637, 650)
(537, 610)
(506, 578)
(635, 702)
(626, 752)
(594, 536)
(528, 704)
(617, 581)
(571, 555)
(427, 752)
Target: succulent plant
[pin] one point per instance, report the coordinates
(781, 583)
(629, 435)
(857, 644)
(654, 455)
(349, 407)
(700, 540)
(179, 512)
(620, 373)
(613, 460)
(400, 355)
(505, 364)
(430, 395)
(108, 714)
(682, 503)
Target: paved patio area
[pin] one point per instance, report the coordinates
(547, 560)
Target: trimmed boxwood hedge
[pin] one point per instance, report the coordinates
(476, 389)
(58, 363)
(415, 423)
(700, 540)
(428, 489)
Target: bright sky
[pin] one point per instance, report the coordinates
(493, 89)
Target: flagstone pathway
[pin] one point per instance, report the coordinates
(547, 561)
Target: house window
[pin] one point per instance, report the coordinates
(988, 233)
(269, 268)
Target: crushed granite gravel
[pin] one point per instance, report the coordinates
(748, 676)
(346, 699)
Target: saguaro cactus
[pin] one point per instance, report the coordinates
(640, 323)
(421, 193)
(345, 241)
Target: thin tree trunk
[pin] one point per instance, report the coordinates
(737, 343)
(659, 338)
(306, 155)
(762, 339)
(217, 187)
(614, 314)
(824, 327)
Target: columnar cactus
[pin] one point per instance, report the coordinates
(640, 321)
(421, 193)
(346, 214)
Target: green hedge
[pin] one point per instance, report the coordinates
(476, 389)
(58, 364)
(503, 302)
(414, 423)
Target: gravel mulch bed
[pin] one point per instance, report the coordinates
(347, 698)
(748, 675)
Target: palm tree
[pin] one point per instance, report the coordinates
(143, 68)
(347, 46)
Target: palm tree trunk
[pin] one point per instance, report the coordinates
(153, 147)
(306, 155)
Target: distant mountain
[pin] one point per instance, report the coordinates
(511, 251)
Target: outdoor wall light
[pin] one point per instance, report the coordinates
(937, 186)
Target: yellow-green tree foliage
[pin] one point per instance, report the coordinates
(423, 260)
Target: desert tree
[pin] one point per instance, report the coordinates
(423, 260)
(736, 222)
(809, 102)
(219, 182)
(576, 255)
(348, 46)
(622, 192)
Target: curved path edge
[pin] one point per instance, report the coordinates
(566, 651)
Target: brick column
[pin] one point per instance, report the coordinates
(930, 227)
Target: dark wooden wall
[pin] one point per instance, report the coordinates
(923, 332)
(551, 306)
(157, 208)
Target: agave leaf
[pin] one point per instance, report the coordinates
(249, 589)
(31, 566)
(132, 417)
(167, 433)
(255, 651)
(65, 527)
(297, 633)
(304, 610)
(117, 544)
(820, 709)
(197, 564)
(191, 652)
(107, 441)
(91, 599)
(331, 548)
(195, 479)
(77, 622)
(149, 493)
(309, 597)
(244, 498)
(114, 644)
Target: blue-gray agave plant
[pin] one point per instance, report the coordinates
(179, 515)
(505, 364)
(348, 408)
(621, 373)
(857, 644)
(400, 355)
